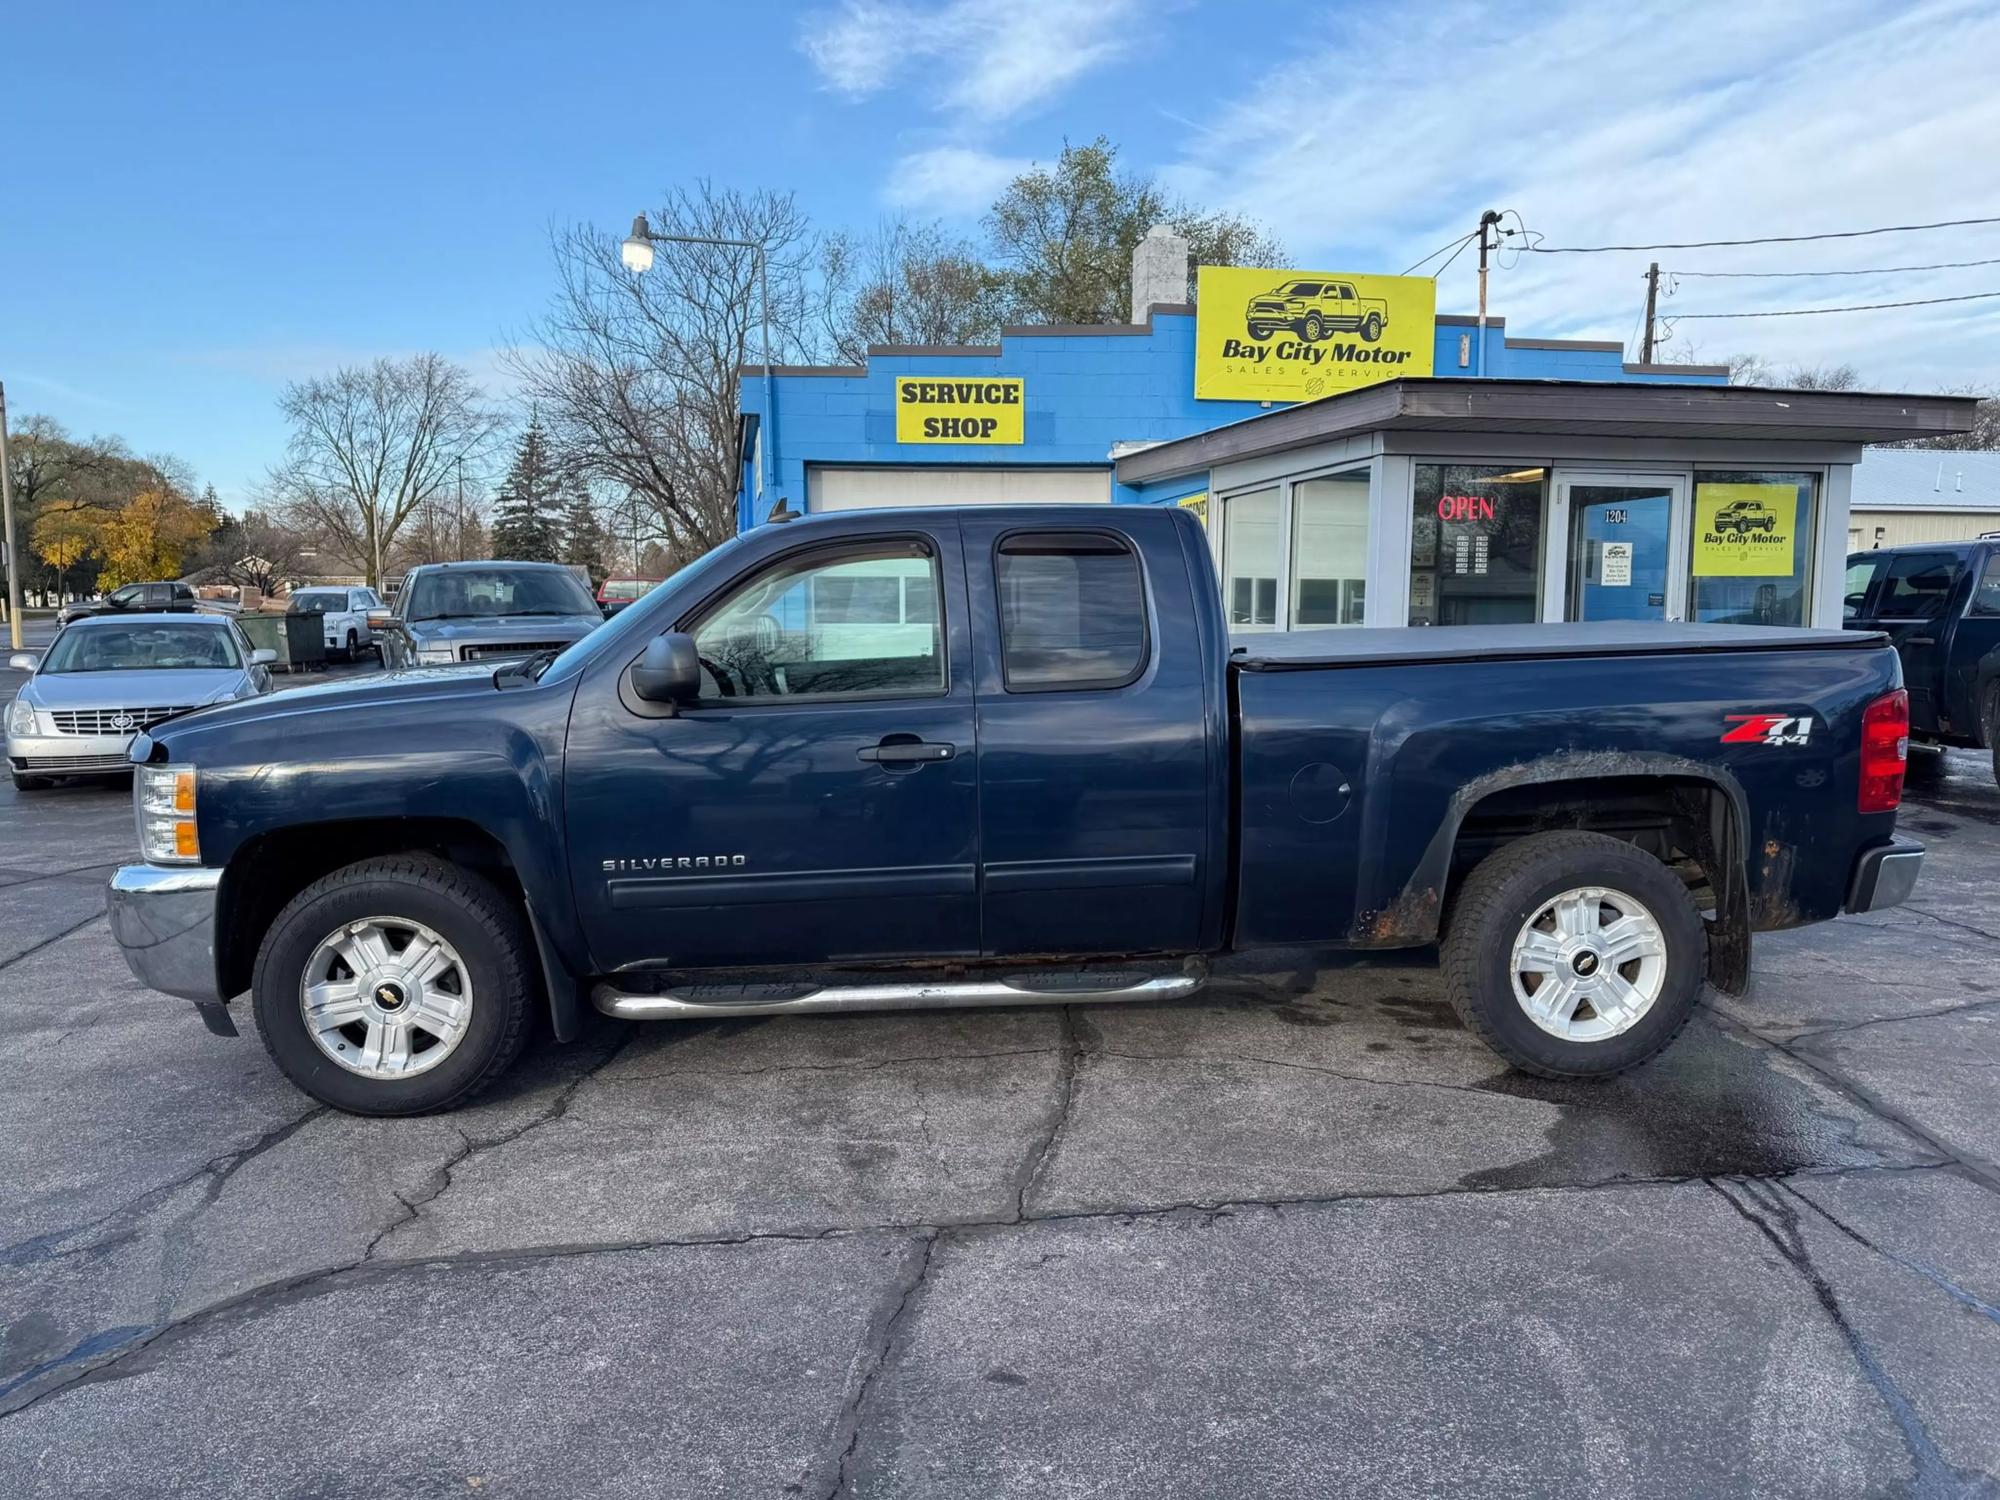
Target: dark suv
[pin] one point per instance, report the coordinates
(147, 598)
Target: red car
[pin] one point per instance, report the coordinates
(619, 592)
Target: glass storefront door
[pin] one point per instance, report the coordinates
(1622, 551)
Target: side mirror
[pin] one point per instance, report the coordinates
(668, 671)
(24, 661)
(263, 657)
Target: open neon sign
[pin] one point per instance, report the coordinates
(1465, 508)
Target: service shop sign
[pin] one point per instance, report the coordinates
(1744, 530)
(930, 410)
(1264, 335)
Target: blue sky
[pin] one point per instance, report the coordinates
(207, 200)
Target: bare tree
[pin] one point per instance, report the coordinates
(1985, 433)
(259, 551)
(1823, 378)
(906, 284)
(636, 376)
(370, 444)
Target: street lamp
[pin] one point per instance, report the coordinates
(636, 252)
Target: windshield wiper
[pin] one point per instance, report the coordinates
(530, 667)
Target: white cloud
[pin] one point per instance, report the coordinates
(990, 59)
(954, 181)
(1652, 120)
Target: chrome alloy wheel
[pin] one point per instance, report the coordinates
(1589, 964)
(385, 997)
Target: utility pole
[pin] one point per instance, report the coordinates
(1486, 221)
(458, 540)
(1652, 300)
(13, 549)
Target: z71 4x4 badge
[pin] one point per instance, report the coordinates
(1767, 729)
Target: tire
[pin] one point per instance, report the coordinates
(1371, 327)
(32, 783)
(492, 966)
(353, 645)
(1260, 333)
(1504, 894)
(1925, 765)
(1989, 722)
(1313, 329)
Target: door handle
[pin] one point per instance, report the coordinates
(1919, 640)
(907, 752)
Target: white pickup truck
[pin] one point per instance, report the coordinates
(343, 613)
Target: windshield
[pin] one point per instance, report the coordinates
(627, 588)
(318, 604)
(139, 648)
(644, 619)
(469, 593)
(1299, 289)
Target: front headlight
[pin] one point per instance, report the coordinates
(20, 716)
(163, 797)
(435, 656)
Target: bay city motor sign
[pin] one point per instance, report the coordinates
(959, 411)
(1273, 335)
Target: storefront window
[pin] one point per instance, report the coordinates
(1329, 549)
(1250, 559)
(1476, 544)
(1753, 544)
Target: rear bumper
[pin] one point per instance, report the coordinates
(1885, 876)
(164, 920)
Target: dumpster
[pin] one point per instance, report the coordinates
(299, 640)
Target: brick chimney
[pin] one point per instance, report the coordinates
(1159, 271)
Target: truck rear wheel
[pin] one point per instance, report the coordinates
(1573, 955)
(395, 986)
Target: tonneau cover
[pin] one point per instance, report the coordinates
(1291, 651)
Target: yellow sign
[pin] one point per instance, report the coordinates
(930, 410)
(1744, 530)
(1198, 503)
(1264, 335)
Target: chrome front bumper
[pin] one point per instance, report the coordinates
(1885, 876)
(69, 754)
(164, 919)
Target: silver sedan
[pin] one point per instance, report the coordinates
(107, 678)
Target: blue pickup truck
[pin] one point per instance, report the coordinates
(1939, 602)
(901, 759)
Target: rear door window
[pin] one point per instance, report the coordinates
(1986, 593)
(1917, 585)
(1072, 611)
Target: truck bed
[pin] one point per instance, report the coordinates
(1430, 643)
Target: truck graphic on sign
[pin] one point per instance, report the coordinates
(1312, 308)
(1743, 517)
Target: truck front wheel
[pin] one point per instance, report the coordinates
(1371, 327)
(395, 986)
(1573, 955)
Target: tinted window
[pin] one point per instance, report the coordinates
(1986, 596)
(830, 624)
(1072, 611)
(1476, 544)
(1917, 585)
(319, 603)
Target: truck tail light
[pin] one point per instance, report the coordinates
(1885, 751)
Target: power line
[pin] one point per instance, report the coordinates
(1772, 239)
(1807, 312)
(1454, 256)
(1457, 244)
(1943, 265)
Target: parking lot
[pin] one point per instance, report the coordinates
(1299, 1236)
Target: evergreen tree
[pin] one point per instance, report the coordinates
(527, 526)
(583, 538)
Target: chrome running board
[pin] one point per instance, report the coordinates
(697, 1001)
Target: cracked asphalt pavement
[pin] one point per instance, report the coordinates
(1299, 1236)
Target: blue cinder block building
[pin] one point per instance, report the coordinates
(1521, 480)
